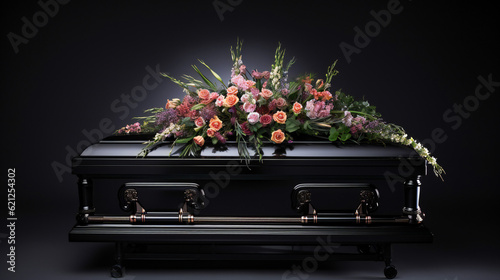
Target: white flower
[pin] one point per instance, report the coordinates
(418, 147)
(432, 160)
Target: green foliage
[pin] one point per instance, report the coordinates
(292, 124)
(205, 79)
(341, 133)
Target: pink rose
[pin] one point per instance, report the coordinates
(204, 94)
(253, 118)
(210, 132)
(249, 107)
(266, 119)
(280, 102)
(214, 95)
(266, 94)
(199, 122)
(244, 98)
(232, 90)
(220, 101)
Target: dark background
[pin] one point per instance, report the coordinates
(426, 59)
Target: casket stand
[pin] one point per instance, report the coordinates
(306, 198)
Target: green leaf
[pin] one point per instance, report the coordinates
(184, 140)
(198, 106)
(214, 140)
(187, 122)
(345, 137)
(255, 127)
(213, 73)
(292, 125)
(184, 85)
(334, 134)
(207, 81)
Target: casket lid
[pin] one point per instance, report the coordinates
(131, 145)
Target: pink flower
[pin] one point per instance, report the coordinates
(285, 92)
(244, 98)
(266, 75)
(204, 94)
(240, 82)
(311, 111)
(280, 102)
(210, 132)
(266, 94)
(272, 105)
(245, 128)
(266, 119)
(253, 117)
(347, 120)
(193, 114)
(249, 107)
(214, 95)
(199, 122)
(257, 75)
(317, 109)
(255, 93)
(220, 101)
(243, 69)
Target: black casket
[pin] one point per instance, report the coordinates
(306, 198)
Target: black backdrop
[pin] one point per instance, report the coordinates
(72, 71)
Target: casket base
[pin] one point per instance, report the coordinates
(251, 242)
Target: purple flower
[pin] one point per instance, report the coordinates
(220, 137)
(208, 112)
(167, 117)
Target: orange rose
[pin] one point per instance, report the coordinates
(215, 123)
(199, 140)
(266, 93)
(250, 83)
(280, 117)
(278, 136)
(232, 90)
(297, 107)
(230, 101)
(210, 132)
(204, 94)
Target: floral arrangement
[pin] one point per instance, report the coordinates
(258, 106)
